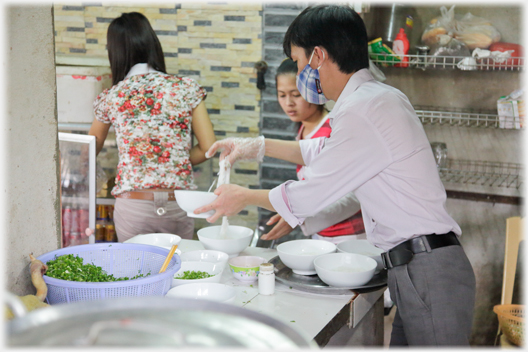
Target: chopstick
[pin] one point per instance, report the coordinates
(168, 259)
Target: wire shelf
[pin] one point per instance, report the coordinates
(457, 118)
(449, 62)
(483, 173)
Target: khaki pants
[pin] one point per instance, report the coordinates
(133, 217)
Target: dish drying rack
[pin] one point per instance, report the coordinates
(449, 62)
(484, 173)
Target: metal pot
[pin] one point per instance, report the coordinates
(153, 321)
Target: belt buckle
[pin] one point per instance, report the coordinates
(385, 258)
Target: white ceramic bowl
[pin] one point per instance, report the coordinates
(347, 270)
(214, 269)
(207, 290)
(205, 255)
(299, 255)
(164, 240)
(238, 238)
(191, 200)
(362, 247)
(246, 268)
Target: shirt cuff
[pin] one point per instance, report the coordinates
(279, 200)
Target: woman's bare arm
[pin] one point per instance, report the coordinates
(100, 131)
(203, 131)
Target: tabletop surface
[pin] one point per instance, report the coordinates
(309, 312)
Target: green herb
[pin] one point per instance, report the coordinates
(193, 275)
(72, 268)
(292, 321)
(250, 285)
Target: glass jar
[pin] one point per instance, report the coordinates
(440, 154)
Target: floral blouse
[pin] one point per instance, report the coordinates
(151, 114)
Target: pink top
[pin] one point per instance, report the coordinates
(378, 149)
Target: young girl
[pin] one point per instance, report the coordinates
(342, 220)
(154, 115)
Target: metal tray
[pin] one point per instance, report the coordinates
(312, 283)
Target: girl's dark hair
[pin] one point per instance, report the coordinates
(289, 67)
(338, 29)
(131, 40)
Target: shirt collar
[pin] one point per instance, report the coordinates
(140, 69)
(353, 83)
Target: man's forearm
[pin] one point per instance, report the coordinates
(284, 150)
(260, 198)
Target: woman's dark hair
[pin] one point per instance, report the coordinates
(131, 40)
(338, 29)
(287, 67)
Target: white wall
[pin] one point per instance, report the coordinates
(30, 145)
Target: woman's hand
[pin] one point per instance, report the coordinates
(231, 200)
(281, 229)
(239, 149)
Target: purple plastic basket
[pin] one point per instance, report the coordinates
(118, 259)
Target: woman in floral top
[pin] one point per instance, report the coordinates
(154, 115)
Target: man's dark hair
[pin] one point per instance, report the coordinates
(338, 29)
(131, 40)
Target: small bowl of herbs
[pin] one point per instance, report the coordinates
(197, 272)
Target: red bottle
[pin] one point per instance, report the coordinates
(400, 46)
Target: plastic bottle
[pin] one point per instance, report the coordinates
(266, 279)
(400, 46)
(100, 224)
(75, 239)
(66, 225)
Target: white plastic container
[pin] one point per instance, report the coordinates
(266, 279)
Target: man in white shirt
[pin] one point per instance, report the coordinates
(378, 149)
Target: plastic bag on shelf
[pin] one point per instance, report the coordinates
(454, 48)
(101, 178)
(376, 72)
(510, 109)
(439, 27)
(476, 32)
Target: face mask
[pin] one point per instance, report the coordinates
(309, 85)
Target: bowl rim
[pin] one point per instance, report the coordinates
(161, 234)
(214, 226)
(264, 260)
(370, 260)
(332, 245)
(243, 236)
(226, 258)
(225, 287)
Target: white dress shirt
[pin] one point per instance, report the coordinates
(379, 150)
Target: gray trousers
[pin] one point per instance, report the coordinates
(133, 217)
(434, 296)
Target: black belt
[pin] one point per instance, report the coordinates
(404, 252)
